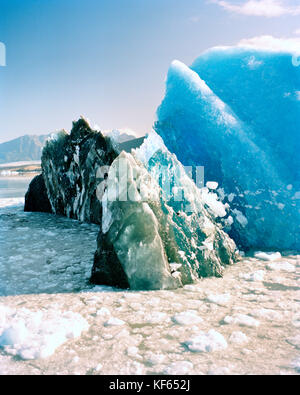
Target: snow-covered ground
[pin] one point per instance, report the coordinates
(52, 321)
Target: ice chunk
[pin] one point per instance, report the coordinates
(187, 318)
(155, 359)
(98, 367)
(157, 317)
(296, 365)
(267, 256)
(242, 320)
(191, 288)
(179, 368)
(240, 217)
(15, 334)
(220, 299)
(212, 185)
(255, 276)
(238, 338)
(103, 312)
(221, 371)
(112, 321)
(132, 351)
(33, 335)
(268, 314)
(295, 341)
(207, 342)
(216, 206)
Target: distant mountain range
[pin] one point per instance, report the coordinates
(128, 145)
(25, 148)
(29, 147)
(122, 141)
(120, 136)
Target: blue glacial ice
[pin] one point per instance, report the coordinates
(236, 111)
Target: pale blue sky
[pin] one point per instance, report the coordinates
(107, 59)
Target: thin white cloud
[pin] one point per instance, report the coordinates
(270, 43)
(297, 32)
(263, 8)
(267, 43)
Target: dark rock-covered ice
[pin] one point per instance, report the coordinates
(72, 169)
(36, 198)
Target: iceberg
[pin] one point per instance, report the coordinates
(159, 241)
(158, 230)
(236, 111)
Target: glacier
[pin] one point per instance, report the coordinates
(236, 111)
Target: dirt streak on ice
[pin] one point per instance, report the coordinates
(52, 321)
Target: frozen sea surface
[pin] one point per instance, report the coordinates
(13, 187)
(52, 321)
(42, 253)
